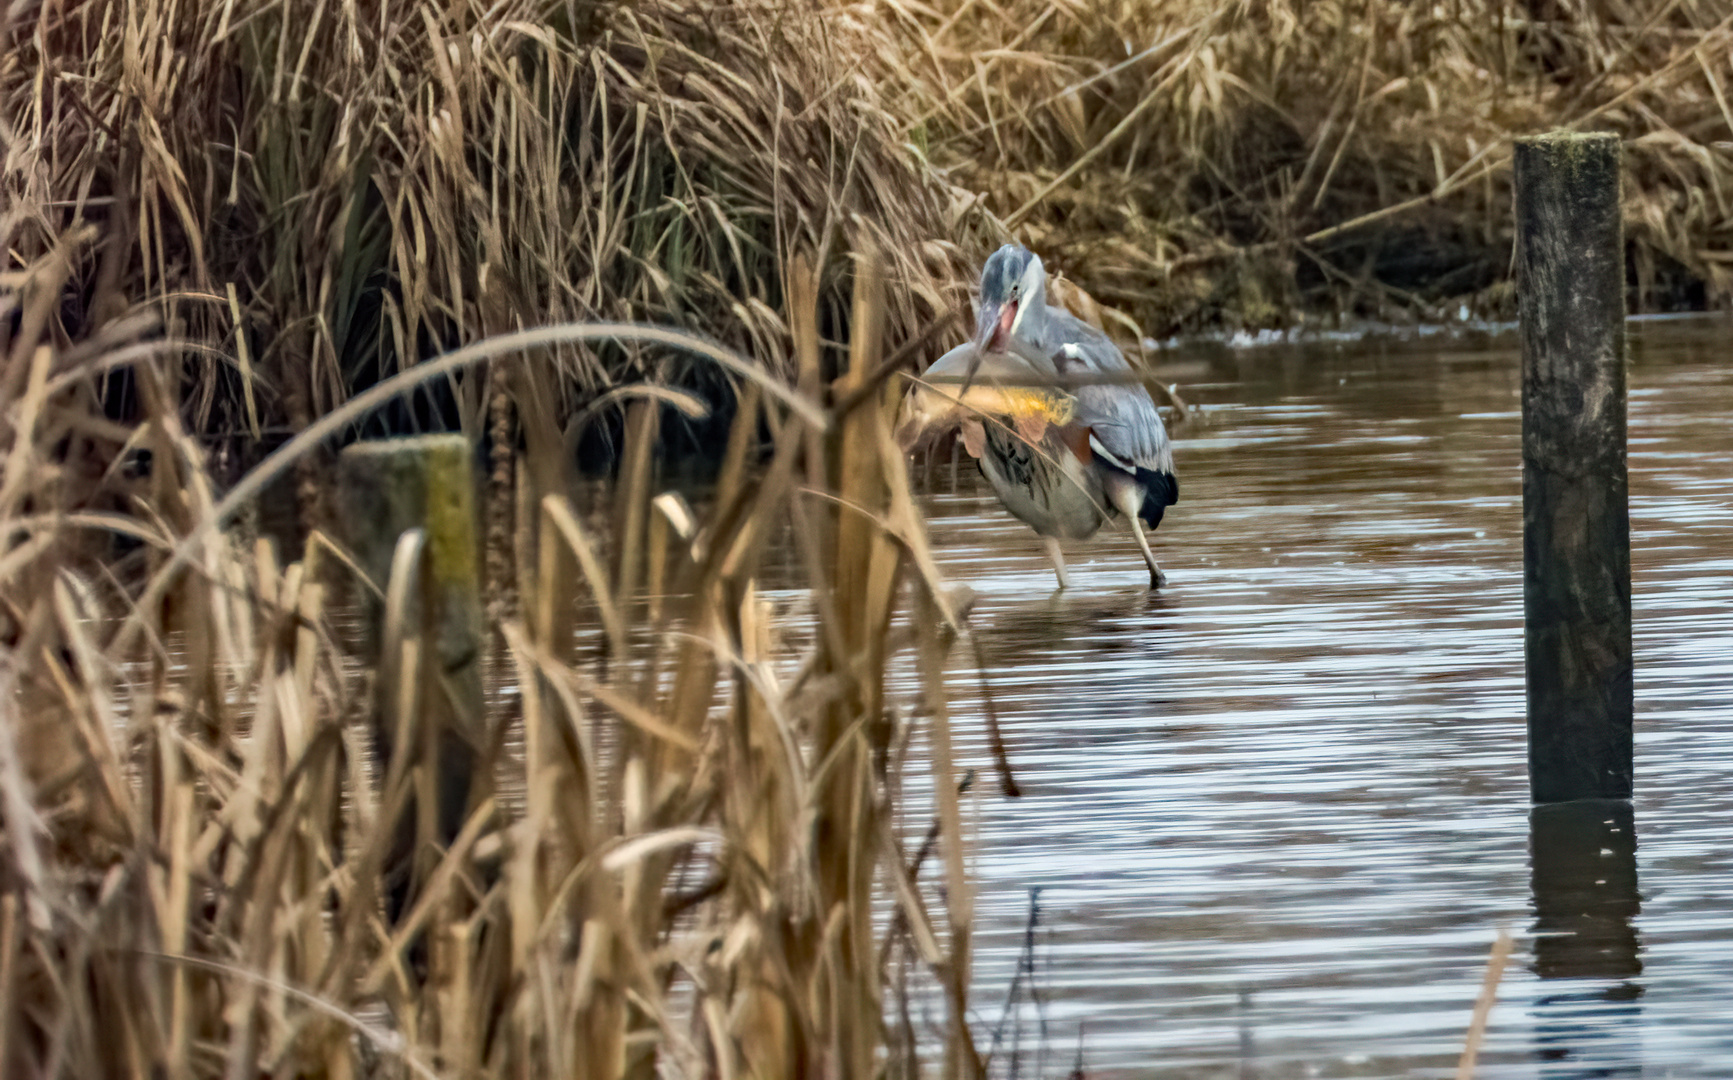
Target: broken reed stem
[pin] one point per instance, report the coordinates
(1495, 965)
(961, 1058)
(990, 717)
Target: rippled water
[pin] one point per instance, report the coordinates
(1277, 812)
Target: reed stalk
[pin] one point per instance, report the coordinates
(679, 829)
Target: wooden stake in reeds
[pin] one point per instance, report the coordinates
(688, 884)
(408, 511)
(1576, 515)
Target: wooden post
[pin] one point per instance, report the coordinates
(384, 489)
(1576, 516)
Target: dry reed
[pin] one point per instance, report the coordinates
(1202, 163)
(675, 853)
(318, 195)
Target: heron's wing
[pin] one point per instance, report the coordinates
(1082, 343)
(1123, 420)
(1127, 430)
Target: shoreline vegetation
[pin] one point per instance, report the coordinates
(313, 197)
(227, 227)
(242, 835)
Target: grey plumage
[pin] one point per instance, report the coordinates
(1042, 483)
(1068, 468)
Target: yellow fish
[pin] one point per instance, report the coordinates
(930, 409)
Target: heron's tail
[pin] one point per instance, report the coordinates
(1160, 491)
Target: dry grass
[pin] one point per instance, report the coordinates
(265, 220)
(1200, 163)
(674, 844)
(324, 193)
(231, 218)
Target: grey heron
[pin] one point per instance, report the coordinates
(1063, 463)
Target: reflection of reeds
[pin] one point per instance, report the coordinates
(673, 870)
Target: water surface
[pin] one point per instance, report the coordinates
(1277, 813)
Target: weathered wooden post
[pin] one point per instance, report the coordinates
(385, 489)
(1576, 517)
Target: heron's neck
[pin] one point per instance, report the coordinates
(1034, 328)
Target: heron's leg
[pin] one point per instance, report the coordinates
(1051, 545)
(1156, 578)
(1129, 500)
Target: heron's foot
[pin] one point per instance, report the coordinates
(1057, 556)
(1156, 578)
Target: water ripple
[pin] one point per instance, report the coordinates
(1279, 811)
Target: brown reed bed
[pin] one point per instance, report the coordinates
(318, 195)
(1199, 164)
(676, 847)
(244, 218)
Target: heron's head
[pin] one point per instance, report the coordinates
(1013, 297)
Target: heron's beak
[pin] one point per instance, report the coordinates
(969, 372)
(993, 332)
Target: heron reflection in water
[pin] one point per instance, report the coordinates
(1062, 463)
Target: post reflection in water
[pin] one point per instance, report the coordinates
(1297, 772)
(1583, 857)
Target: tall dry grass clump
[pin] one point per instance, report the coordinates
(1233, 162)
(324, 193)
(682, 832)
(279, 221)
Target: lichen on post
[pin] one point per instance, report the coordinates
(1576, 515)
(385, 489)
